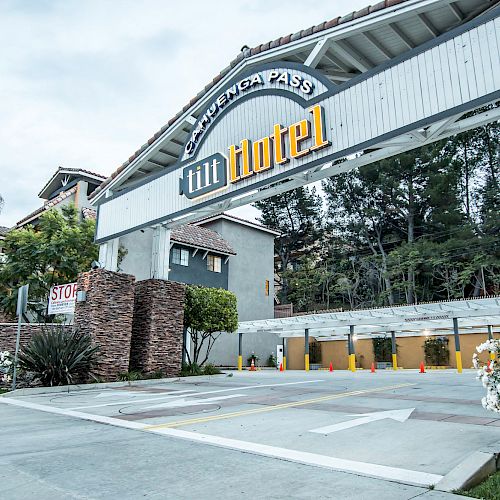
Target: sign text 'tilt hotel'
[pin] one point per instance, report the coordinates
(248, 158)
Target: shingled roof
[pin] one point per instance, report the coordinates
(284, 40)
(201, 237)
(48, 205)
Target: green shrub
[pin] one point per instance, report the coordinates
(210, 369)
(189, 370)
(271, 361)
(382, 349)
(130, 376)
(59, 355)
(436, 351)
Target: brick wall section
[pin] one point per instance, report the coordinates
(8, 333)
(157, 331)
(107, 316)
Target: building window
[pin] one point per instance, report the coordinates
(180, 256)
(214, 263)
(267, 287)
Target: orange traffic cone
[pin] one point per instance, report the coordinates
(252, 366)
(372, 369)
(488, 366)
(422, 367)
(281, 367)
(331, 367)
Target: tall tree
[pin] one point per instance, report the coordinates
(55, 252)
(297, 216)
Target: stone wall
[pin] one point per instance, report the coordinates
(157, 331)
(106, 315)
(8, 333)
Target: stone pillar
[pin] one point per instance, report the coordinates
(157, 332)
(106, 314)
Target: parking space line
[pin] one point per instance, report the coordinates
(165, 396)
(281, 406)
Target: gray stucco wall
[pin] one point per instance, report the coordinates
(249, 269)
(225, 349)
(138, 262)
(138, 259)
(196, 272)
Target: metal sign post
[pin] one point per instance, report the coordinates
(22, 302)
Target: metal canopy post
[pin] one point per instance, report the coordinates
(240, 352)
(458, 354)
(306, 349)
(490, 337)
(352, 352)
(284, 353)
(394, 351)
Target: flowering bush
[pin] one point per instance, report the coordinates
(489, 375)
(6, 367)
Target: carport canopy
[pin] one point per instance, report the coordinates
(433, 318)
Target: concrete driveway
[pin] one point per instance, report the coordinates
(254, 434)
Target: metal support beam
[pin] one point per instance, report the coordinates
(306, 349)
(456, 11)
(160, 253)
(394, 351)
(346, 51)
(430, 27)
(458, 354)
(240, 352)
(108, 254)
(371, 38)
(490, 337)
(352, 351)
(317, 53)
(284, 353)
(395, 28)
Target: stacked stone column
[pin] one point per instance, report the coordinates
(157, 331)
(106, 314)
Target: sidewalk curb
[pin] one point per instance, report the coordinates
(471, 471)
(104, 385)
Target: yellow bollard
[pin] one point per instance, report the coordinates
(240, 363)
(394, 361)
(306, 362)
(284, 363)
(492, 356)
(458, 355)
(352, 362)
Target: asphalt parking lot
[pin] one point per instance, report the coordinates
(254, 434)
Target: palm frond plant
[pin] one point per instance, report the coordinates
(60, 355)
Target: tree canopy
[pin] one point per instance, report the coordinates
(54, 252)
(420, 226)
(207, 313)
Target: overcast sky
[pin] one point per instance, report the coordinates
(85, 83)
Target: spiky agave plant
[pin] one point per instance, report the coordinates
(60, 355)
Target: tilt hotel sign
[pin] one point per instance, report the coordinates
(282, 144)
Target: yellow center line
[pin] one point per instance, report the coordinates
(274, 407)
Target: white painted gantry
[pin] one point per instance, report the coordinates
(388, 80)
(433, 318)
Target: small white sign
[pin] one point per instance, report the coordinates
(62, 299)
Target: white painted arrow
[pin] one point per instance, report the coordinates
(399, 415)
(193, 402)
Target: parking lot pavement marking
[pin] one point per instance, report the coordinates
(113, 394)
(177, 403)
(281, 406)
(400, 475)
(157, 398)
(397, 474)
(399, 415)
